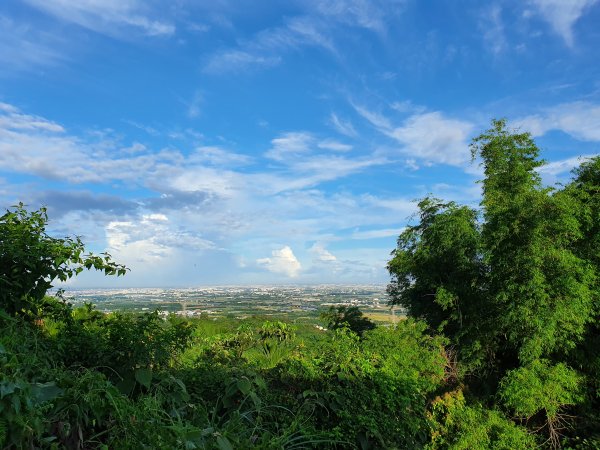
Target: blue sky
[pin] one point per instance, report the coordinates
(261, 142)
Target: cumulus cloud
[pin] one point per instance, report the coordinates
(580, 119)
(150, 237)
(182, 206)
(283, 262)
(321, 254)
(562, 15)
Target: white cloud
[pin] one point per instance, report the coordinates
(282, 261)
(25, 47)
(266, 47)
(342, 126)
(149, 239)
(562, 14)
(336, 146)
(428, 136)
(376, 234)
(218, 156)
(402, 207)
(564, 165)
(492, 27)
(233, 60)
(289, 145)
(14, 120)
(368, 14)
(194, 106)
(580, 119)
(320, 254)
(376, 119)
(192, 203)
(111, 17)
(433, 137)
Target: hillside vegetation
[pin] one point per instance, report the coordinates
(501, 349)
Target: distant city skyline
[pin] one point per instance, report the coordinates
(276, 143)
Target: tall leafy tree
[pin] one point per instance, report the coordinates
(539, 287)
(438, 273)
(515, 288)
(585, 191)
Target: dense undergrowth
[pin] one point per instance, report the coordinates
(502, 351)
(78, 378)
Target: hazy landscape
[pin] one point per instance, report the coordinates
(291, 302)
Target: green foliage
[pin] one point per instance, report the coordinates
(515, 287)
(350, 317)
(371, 391)
(541, 386)
(539, 287)
(437, 270)
(30, 260)
(458, 426)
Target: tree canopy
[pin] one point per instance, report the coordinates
(513, 284)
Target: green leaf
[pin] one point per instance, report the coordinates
(224, 443)
(45, 392)
(144, 376)
(126, 385)
(244, 385)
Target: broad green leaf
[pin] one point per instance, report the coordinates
(144, 376)
(244, 385)
(224, 443)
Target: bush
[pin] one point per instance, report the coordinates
(30, 260)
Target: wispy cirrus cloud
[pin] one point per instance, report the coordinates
(344, 127)
(111, 17)
(24, 47)
(369, 14)
(312, 28)
(376, 234)
(562, 15)
(266, 47)
(234, 60)
(492, 28)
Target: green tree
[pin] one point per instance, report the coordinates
(350, 317)
(30, 260)
(437, 271)
(515, 288)
(585, 191)
(539, 288)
